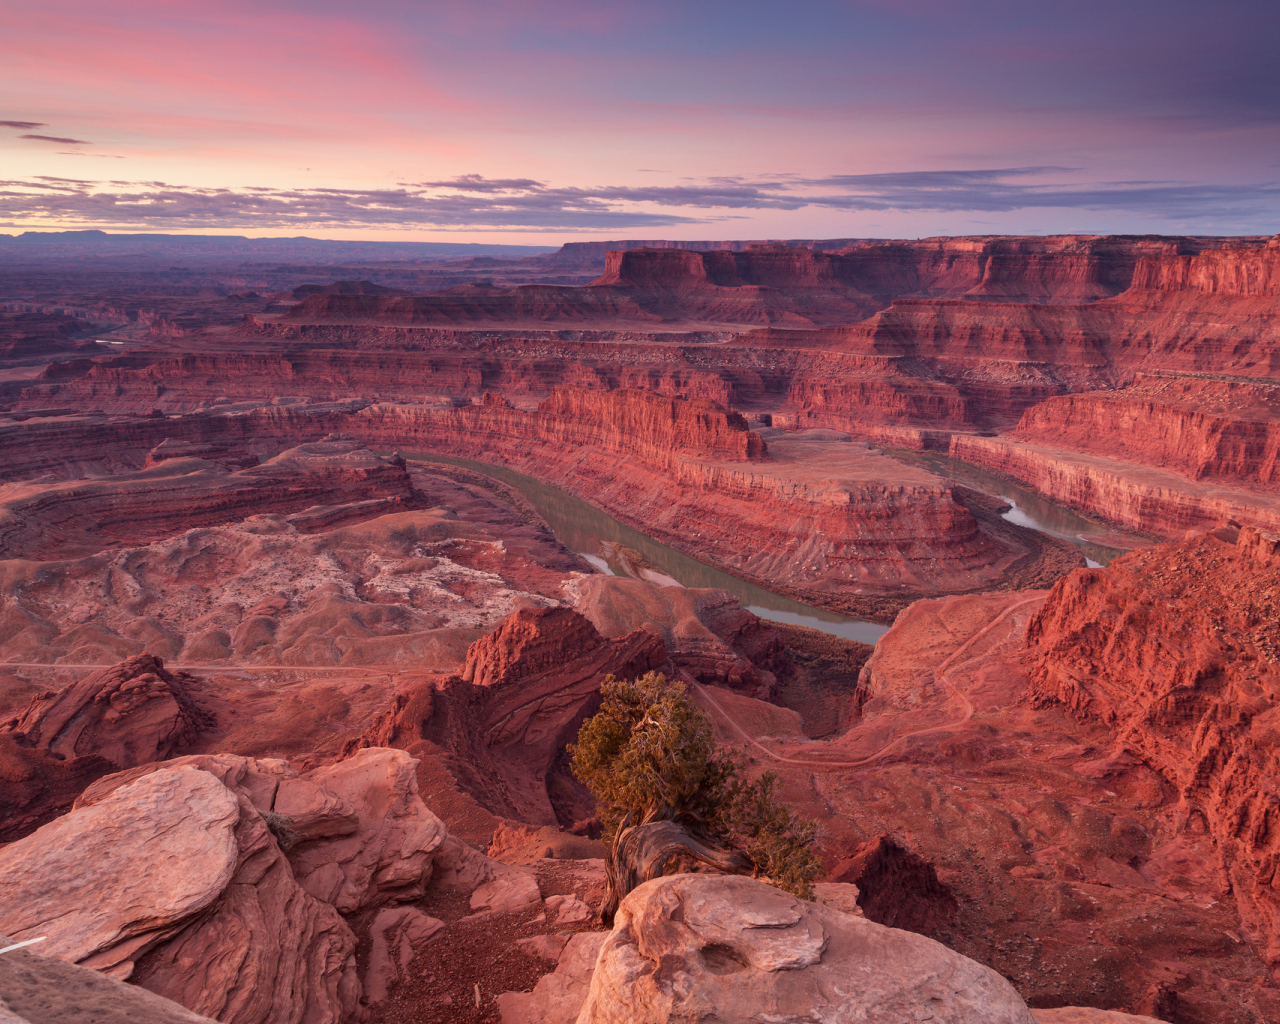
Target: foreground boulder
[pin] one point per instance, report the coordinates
(175, 881)
(108, 883)
(216, 880)
(701, 947)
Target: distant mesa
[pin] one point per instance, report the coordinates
(344, 288)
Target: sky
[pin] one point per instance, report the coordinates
(536, 123)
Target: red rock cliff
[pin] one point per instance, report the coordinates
(1175, 649)
(639, 422)
(1204, 429)
(1240, 272)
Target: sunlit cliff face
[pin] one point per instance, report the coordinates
(528, 121)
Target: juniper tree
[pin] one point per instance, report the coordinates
(670, 799)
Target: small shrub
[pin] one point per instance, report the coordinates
(281, 826)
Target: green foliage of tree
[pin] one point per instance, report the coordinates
(650, 755)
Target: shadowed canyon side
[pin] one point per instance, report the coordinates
(283, 624)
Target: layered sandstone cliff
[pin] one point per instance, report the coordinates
(799, 286)
(1204, 429)
(832, 518)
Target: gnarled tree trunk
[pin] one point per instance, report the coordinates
(644, 852)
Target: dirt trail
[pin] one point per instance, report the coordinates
(940, 674)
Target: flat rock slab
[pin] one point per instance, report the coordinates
(147, 858)
(842, 896)
(558, 997)
(568, 910)
(395, 931)
(506, 894)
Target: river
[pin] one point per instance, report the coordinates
(597, 536)
(1028, 508)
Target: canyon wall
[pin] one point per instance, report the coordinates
(1203, 429)
(653, 426)
(1174, 651)
(1063, 268)
(80, 517)
(1235, 272)
(687, 472)
(939, 349)
(801, 286)
(715, 495)
(968, 336)
(1124, 492)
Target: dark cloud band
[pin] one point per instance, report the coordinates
(522, 203)
(56, 138)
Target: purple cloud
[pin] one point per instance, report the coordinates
(55, 138)
(521, 203)
(24, 125)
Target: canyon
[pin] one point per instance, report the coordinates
(279, 620)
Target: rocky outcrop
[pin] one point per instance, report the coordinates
(896, 887)
(173, 874)
(133, 713)
(692, 946)
(558, 997)
(227, 455)
(390, 837)
(38, 788)
(525, 691)
(356, 833)
(1174, 651)
(1089, 1015)
(412, 588)
(30, 334)
(530, 642)
(395, 932)
(216, 880)
(707, 633)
